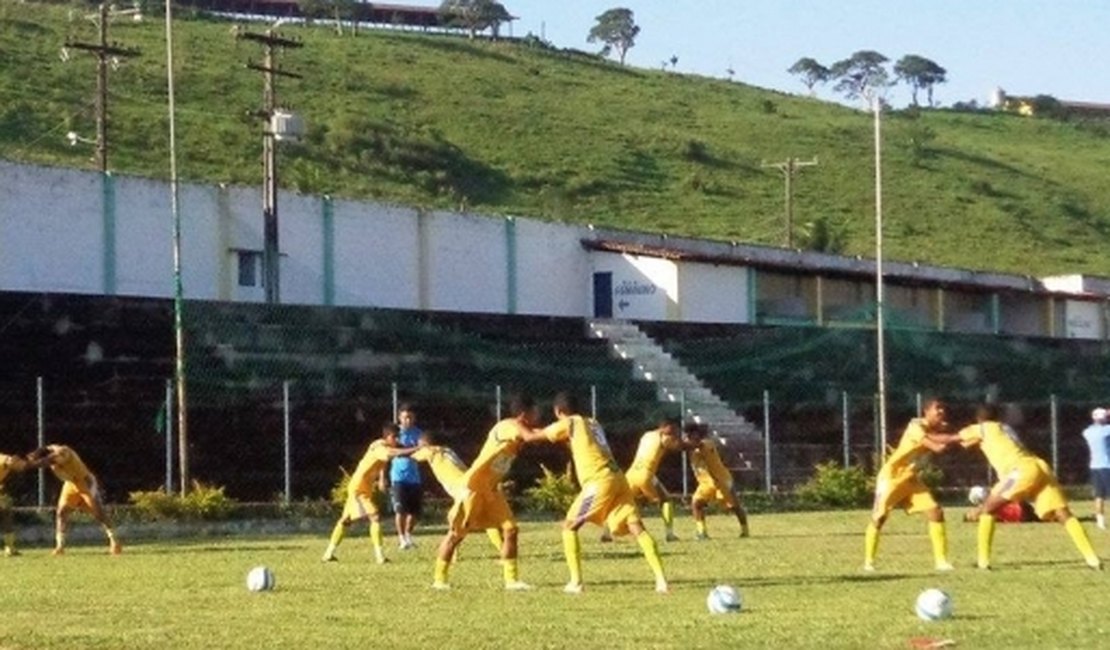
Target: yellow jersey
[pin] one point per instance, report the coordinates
(907, 457)
(649, 453)
(709, 469)
(67, 465)
(447, 467)
(497, 455)
(588, 446)
(1000, 444)
(5, 466)
(365, 477)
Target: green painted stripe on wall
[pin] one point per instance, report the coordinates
(510, 264)
(108, 221)
(328, 213)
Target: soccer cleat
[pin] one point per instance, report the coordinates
(701, 536)
(10, 552)
(573, 588)
(115, 548)
(441, 586)
(745, 533)
(985, 566)
(1094, 563)
(945, 566)
(329, 557)
(517, 585)
(868, 567)
(381, 559)
(58, 551)
(661, 587)
(671, 537)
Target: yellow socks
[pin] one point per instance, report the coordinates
(573, 551)
(494, 535)
(441, 571)
(9, 542)
(337, 535)
(376, 533)
(1079, 538)
(699, 525)
(668, 516)
(511, 570)
(870, 544)
(986, 538)
(938, 536)
(651, 553)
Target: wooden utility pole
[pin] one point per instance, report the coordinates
(271, 253)
(105, 53)
(789, 168)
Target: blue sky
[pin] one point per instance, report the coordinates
(1027, 47)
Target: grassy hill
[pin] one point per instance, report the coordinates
(502, 128)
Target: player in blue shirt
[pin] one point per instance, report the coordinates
(1098, 441)
(405, 491)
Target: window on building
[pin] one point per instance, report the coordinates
(250, 268)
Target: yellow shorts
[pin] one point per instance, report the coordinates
(647, 486)
(1032, 480)
(360, 505)
(907, 493)
(605, 501)
(480, 510)
(710, 492)
(80, 498)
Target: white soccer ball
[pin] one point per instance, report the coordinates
(724, 599)
(977, 495)
(260, 578)
(933, 605)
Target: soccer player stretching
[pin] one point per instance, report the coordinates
(899, 485)
(714, 481)
(480, 504)
(361, 495)
(8, 465)
(80, 491)
(605, 499)
(641, 475)
(1021, 476)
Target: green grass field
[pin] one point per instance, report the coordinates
(799, 576)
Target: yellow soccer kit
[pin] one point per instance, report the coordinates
(714, 479)
(605, 498)
(446, 466)
(79, 486)
(1021, 475)
(641, 474)
(898, 483)
(5, 467)
(363, 484)
(482, 505)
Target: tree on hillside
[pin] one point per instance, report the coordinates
(862, 75)
(475, 15)
(919, 73)
(337, 10)
(617, 30)
(810, 71)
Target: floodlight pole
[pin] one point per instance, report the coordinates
(178, 289)
(880, 349)
(271, 252)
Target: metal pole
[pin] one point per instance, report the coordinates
(685, 457)
(1054, 407)
(847, 428)
(917, 403)
(178, 289)
(593, 401)
(102, 93)
(40, 412)
(395, 403)
(880, 350)
(288, 443)
(169, 436)
(271, 252)
(767, 440)
(498, 391)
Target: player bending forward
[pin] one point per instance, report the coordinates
(1021, 476)
(361, 493)
(80, 491)
(605, 499)
(8, 465)
(899, 485)
(480, 504)
(641, 475)
(714, 481)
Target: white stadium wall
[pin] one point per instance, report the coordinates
(549, 263)
(710, 293)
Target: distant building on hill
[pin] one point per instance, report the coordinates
(1041, 104)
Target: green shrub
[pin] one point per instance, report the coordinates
(203, 502)
(552, 492)
(338, 494)
(836, 486)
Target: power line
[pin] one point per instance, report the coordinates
(789, 168)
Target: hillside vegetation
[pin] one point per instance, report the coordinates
(504, 128)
